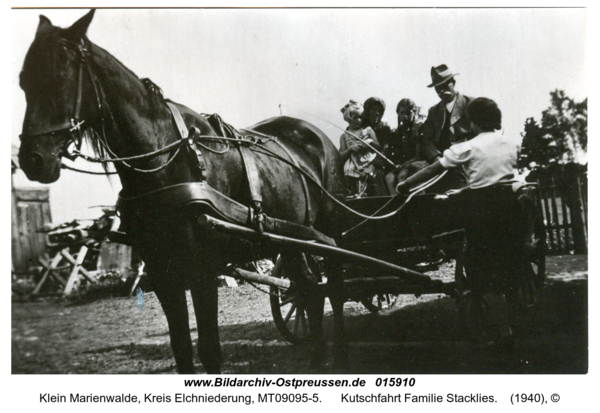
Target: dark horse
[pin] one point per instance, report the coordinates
(75, 88)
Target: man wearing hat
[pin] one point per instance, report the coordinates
(447, 122)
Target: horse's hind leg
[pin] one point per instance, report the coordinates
(315, 303)
(307, 283)
(315, 306)
(171, 295)
(205, 296)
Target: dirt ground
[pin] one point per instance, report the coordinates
(414, 336)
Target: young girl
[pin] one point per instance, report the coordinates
(357, 156)
(495, 262)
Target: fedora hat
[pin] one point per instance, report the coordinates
(440, 74)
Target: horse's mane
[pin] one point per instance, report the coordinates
(152, 87)
(156, 97)
(95, 138)
(155, 102)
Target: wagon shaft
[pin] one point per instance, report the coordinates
(262, 279)
(406, 274)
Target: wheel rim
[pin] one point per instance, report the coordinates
(288, 310)
(538, 261)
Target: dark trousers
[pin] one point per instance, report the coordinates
(494, 230)
(494, 227)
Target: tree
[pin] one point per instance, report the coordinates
(559, 138)
(552, 150)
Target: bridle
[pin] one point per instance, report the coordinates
(74, 125)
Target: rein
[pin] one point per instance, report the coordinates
(412, 193)
(196, 138)
(157, 152)
(74, 125)
(385, 158)
(70, 168)
(74, 128)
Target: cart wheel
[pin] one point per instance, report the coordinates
(379, 302)
(460, 278)
(536, 254)
(535, 267)
(289, 308)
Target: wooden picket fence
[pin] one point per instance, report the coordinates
(565, 215)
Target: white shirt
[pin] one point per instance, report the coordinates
(487, 159)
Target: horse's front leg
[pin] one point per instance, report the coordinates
(337, 297)
(205, 296)
(171, 294)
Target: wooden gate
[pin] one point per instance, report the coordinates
(30, 212)
(564, 210)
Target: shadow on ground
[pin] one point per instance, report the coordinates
(421, 337)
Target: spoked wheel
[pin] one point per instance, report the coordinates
(534, 247)
(460, 278)
(379, 302)
(535, 266)
(289, 308)
(536, 254)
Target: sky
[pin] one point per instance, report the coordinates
(250, 65)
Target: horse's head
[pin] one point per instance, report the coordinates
(54, 78)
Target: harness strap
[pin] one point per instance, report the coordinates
(249, 163)
(181, 127)
(56, 128)
(251, 172)
(74, 124)
(97, 87)
(196, 154)
(308, 220)
(200, 194)
(80, 91)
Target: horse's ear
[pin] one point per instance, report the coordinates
(44, 23)
(79, 28)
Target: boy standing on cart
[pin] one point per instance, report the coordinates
(494, 260)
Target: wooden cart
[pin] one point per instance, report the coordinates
(385, 257)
